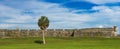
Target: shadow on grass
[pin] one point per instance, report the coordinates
(38, 41)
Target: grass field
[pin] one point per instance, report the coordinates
(60, 43)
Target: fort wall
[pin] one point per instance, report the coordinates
(86, 32)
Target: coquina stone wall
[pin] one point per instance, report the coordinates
(86, 32)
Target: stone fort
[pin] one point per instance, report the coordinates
(85, 32)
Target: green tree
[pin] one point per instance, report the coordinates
(43, 23)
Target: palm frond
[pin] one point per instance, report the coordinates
(43, 22)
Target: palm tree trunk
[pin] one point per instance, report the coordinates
(43, 34)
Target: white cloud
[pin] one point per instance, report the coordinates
(103, 1)
(20, 26)
(63, 17)
(14, 15)
(6, 11)
(109, 12)
(20, 19)
(101, 26)
(59, 16)
(6, 26)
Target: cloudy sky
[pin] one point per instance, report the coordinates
(67, 14)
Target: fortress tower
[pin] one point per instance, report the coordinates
(115, 30)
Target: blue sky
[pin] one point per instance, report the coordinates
(63, 14)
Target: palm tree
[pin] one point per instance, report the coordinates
(43, 23)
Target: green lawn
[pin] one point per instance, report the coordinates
(60, 43)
